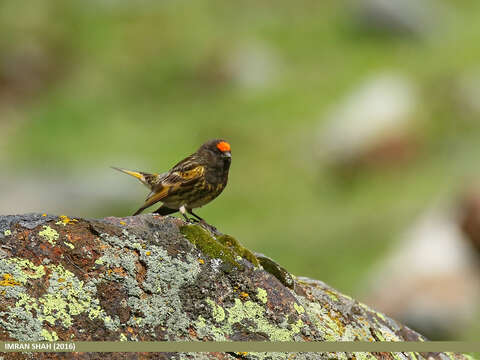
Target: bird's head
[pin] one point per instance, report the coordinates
(220, 149)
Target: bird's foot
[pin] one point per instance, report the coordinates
(191, 221)
(209, 227)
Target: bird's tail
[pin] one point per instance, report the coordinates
(145, 178)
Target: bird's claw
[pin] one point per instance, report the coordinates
(209, 227)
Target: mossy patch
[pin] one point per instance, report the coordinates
(208, 245)
(276, 270)
(235, 246)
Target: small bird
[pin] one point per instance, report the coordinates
(190, 184)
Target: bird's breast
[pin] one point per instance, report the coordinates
(216, 176)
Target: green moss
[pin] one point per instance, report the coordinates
(235, 246)
(208, 245)
(7, 233)
(276, 270)
(49, 234)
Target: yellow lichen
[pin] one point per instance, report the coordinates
(8, 280)
(7, 233)
(49, 336)
(49, 234)
(28, 269)
(251, 310)
(299, 308)
(262, 295)
(64, 220)
(70, 245)
(217, 311)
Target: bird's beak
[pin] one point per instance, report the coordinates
(227, 154)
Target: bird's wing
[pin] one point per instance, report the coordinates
(174, 180)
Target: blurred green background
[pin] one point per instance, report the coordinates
(86, 85)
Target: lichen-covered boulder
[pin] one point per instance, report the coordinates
(148, 277)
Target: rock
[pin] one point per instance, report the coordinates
(373, 126)
(467, 93)
(430, 280)
(397, 17)
(251, 66)
(470, 217)
(147, 277)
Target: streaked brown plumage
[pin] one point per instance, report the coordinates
(190, 184)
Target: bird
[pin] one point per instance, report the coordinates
(191, 183)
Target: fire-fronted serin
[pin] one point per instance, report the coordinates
(190, 184)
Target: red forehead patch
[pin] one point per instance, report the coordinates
(223, 146)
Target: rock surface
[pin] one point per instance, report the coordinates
(147, 278)
(373, 127)
(442, 263)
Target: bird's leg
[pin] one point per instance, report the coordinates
(183, 211)
(190, 211)
(211, 228)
